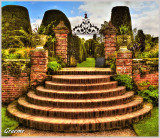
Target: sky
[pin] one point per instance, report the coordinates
(144, 14)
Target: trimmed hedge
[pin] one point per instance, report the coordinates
(56, 16)
(17, 17)
(121, 16)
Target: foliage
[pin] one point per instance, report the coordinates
(123, 29)
(57, 59)
(9, 38)
(94, 48)
(150, 95)
(83, 52)
(111, 61)
(148, 42)
(76, 48)
(56, 16)
(53, 66)
(15, 69)
(90, 62)
(124, 80)
(148, 126)
(121, 16)
(17, 17)
(144, 83)
(16, 53)
(140, 39)
(48, 30)
(151, 49)
(16, 28)
(7, 122)
(17, 38)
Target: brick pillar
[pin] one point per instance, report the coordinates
(39, 61)
(61, 32)
(109, 39)
(124, 62)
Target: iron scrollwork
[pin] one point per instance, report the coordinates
(86, 27)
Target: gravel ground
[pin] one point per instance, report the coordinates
(128, 132)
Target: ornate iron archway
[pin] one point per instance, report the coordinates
(85, 27)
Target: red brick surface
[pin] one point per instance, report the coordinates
(39, 61)
(152, 78)
(12, 87)
(124, 63)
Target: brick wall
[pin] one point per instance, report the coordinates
(124, 63)
(61, 44)
(109, 40)
(13, 87)
(150, 71)
(39, 61)
(151, 77)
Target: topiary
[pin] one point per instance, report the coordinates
(121, 16)
(56, 16)
(17, 17)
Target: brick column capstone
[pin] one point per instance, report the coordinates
(39, 61)
(124, 62)
(61, 32)
(109, 40)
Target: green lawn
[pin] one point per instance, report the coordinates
(90, 62)
(7, 122)
(148, 126)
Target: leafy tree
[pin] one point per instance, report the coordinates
(140, 39)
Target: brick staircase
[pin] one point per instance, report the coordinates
(79, 100)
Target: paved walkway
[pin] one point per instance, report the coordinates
(125, 132)
(85, 69)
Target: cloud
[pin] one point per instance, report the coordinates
(147, 21)
(35, 23)
(75, 21)
(72, 12)
(144, 15)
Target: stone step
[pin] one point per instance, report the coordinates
(84, 71)
(80, 87)
(80, 79)
(92, 94)
(77, 125)
(79, 103)
(77, 113)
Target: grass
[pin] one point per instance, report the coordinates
(90, 62)
(7, 122)
(148, 126)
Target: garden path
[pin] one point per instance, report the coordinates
(125, 132)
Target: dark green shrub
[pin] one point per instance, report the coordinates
(140, 39)
(14, 19)
(124, 80)
(17, 17)
(121, 16)
(150, 95)
(53, 66)
(57, 16)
